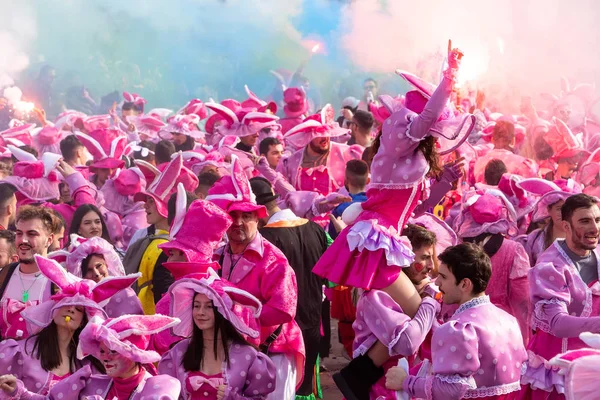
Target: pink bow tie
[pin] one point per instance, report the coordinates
(197, 381)
(15, 306)
(320, 168)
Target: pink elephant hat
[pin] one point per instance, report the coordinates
(165, 184)
(315, 126)
(74, 291)
(233, 192)
(235, 305)
(106, 146)
(94, 245)
(189, 234)
(295, 102)
(548, 193)
(253, 102)
(243, 123)
(34, 179)
(128, 335)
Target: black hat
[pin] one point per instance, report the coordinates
(263, 190)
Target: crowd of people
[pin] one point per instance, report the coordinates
(205, 253)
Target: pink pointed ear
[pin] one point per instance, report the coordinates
(537, 186)
(117, 147)
(50, 160)
(388, 102)
(180, 204)
(224, 112)
(261, 117)
(168, 177)
(92, 145)
(55, 272)
(21, 155)
(239, 178)
(141, 325)
(149, 171)
(254, 97)
(112, 285)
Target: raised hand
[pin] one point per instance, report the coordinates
(454, 56)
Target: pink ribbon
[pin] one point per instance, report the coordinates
(310, 171)
(82, 288)
(196, 382)
(15, 306)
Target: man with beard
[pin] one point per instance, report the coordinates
(565, 295)
(252, 263)
(320, 164)
(22, 284)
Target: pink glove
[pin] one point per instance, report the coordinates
(329, 202)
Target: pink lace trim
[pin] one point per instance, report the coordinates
(429, 387)
(463, 380)
(411, 119)
(493, 391)
(540, 316)
(477, 301)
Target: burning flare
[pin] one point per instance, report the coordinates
(316, 48)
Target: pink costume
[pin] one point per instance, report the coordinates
(249, 374)
(580, 368)
(564, 306)
(380, 318)
(473, 357)
(118, 195)
(123, 302)
(17, 135)
(490, 213)
(263, 271)
(48, 140)
(325, 177)
(198, 246)
(549, 193)
(129, 337)
(17, 357)
(370, 253)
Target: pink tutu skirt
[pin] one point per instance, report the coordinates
(370, 253)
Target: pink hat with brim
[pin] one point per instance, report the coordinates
(196, 270)
(295, 102)
(128, 335)
(549, 193)
(106, 146)
(236, 305)
(486, 212)
(444, 235)
(564, 143)
(196, 107)
(188, 232)
(48, 135)
(18, 135)
(182, 124)
(314, 127)
(233, 193)
(590, 169)
(74, 291)
(147, 124)
(243, 123)
(33, 179)
(67, 118)
(94, 245)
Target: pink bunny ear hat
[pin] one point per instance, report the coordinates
(231, 302)
(128, 335)
(74, 291)
(95, 245)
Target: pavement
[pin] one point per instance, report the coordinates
(333, 363)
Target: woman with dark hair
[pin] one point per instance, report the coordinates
(215, 361)
(49, 355)
(96, 259)
(88, 222)
(370, 253)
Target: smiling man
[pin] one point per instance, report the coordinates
(564, 286)
(21, 283)
(479, 352)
